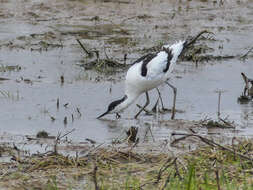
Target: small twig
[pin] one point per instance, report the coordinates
(65, 121)
(106, 54)
(177, 171)
(212, 143)
(78, 111)
(98, 59)
(132, 134)
(166, 182)
(62, 79)
(93, 149)
(57, 140)
(146, 133)
(217, 179)
(163, 168)
(60, 137)
(246, 54)
(52, 118)
(72, 116)
(227, 123)
(95, 177)
(219, 99)
(197, 36)
(151, 134)
(125, 58)
(133, 17)
(85, 50)
(233, 146)
(179, 139)
(57, 104)
(136, 142)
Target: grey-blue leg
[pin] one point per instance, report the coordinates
(173, 110)
(146, 104)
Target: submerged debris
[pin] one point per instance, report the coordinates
(104, 65)
(221, 123)
(34, 42)
(132, 134)
(244, 99)
(3, 78)
(9, 68)
(42, 134)
(211, 124)
(247, 94)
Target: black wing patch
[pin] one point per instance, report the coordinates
(170, 55)
(142, 58)
(145, 60)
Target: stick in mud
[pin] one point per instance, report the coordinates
(62, 79)
(164, 167)
(246, 54)
(212, 143)
(58, 138)
(217, 178)
(149, 130)
(219, 98)
(57, 104)
(132, 134)
(65, 121)
(166, 182)
(94, 175)
(78, 111)
(82, 46)
(192, 41)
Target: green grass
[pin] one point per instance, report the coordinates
(202, 169)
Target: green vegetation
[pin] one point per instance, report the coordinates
(206, 168)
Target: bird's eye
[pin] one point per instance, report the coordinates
(118, 116)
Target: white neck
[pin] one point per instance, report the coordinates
(127, 102)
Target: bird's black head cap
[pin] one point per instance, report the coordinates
(113, 105)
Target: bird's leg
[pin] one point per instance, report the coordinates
(146, 104)
(161, 100)
(174, 100)
(154, 108)
(160, 97)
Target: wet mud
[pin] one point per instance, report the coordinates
(47, 81)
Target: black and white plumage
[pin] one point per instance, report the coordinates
(147, 73)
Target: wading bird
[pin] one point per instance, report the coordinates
(147, 73)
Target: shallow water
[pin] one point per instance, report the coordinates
(26, 107)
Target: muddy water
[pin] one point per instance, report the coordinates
(39, 37)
